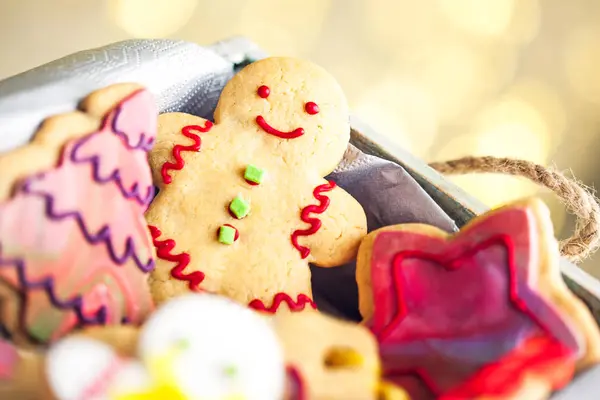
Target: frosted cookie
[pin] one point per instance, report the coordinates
(330, 358)
(74, 246)
(481, 314)
(195, 347)
(243, 206)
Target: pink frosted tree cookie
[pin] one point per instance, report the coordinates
(74, 246)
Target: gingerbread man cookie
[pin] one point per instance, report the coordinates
(480, 314)
(74, 246)
(242, 206)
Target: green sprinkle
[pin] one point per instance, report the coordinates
(183, 344)
(230, 371)
(254, 174)
(239, 207)
(226, 235)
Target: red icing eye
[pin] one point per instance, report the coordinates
(311, 108)
(263, 91)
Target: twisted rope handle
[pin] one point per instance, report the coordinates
(578, 199)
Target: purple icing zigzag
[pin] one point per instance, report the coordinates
(47, 284)
(142, 143)
(114, 176)
(133, 193)
(103, 235)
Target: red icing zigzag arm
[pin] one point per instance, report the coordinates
(177, 149)
(164, 250)
(315, 223)
(294, 305)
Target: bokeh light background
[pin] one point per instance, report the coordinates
(442, 78)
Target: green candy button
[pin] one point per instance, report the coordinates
(239, 207)
(254, 174)
(227, 234)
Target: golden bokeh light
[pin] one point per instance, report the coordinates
(151, 19)
(285, 28)
(545, 106)
(457, 75)
(479, 17)
(510, 128)
(394, 26)
(582, 63)
(404, 112)
(506, 20)
(355, 75)
(526, 22)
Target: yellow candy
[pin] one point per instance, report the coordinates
(160, 369)
(343, 357)
(389, 391)
(155, 393)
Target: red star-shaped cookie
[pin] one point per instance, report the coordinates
(469, 315)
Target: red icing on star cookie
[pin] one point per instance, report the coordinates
(177, 149)
(315, 223)
(462, 315)
(163, 251)
(294, 305)
(541, 356)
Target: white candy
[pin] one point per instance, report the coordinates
(221, 336)
(73, 365)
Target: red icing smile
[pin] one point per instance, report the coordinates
(264, 125)
(310, 108)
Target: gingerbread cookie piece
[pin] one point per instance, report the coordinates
(481, 314)
(331, 358)
(21, 374)
(198, 346)
(243, 206)
(74, 246)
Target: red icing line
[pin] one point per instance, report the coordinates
(251, 183)
(294, 305)
(163, 251)
(275, 132)
(311, 108)
(177, 149)
(540, 356)
(315, 223)
(523, 358)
